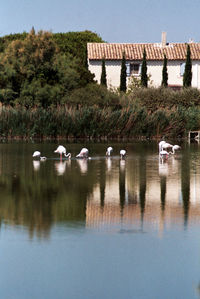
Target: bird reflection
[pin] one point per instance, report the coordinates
(109, 163)
(122, 164)
(83, 164)
(60, 167)
(36, 165)
(163, 168)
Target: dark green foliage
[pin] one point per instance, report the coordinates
(187, 76)
(144, 77)
(103, 73)
(26, 57)
(165, 98)
(105, 117)
(94, 94)
(5, 40)
(164, 73)
(34, 72)
(75, 43)
(123, 74)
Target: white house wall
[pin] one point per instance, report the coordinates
(154, 69)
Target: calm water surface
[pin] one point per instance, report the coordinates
(101, 228)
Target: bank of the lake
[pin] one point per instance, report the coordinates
(129, 121)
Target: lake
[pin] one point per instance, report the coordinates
(99, 228)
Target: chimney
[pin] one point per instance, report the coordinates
(164, 39)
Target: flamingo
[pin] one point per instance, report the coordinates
(37, 154)
(175, 148)
(161, 144)
(83, 153)
(109, 150)
(166, 146)
(122, 154)
(164, 154)
(62, 151)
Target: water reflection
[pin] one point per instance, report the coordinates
(101, 191)
(36, 165)
(60, 167)
(83, 165)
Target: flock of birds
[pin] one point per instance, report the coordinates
(61, 150)
(166, 149)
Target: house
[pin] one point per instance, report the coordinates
(175, 53)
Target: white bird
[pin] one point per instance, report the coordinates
(37, 154)
(175, 148)
(83, 153)
(160, 144)
(109, 150)
(122, 154)
(166, 146)
(62, 151)
(164, 154)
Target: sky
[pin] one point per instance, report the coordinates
(115, 21)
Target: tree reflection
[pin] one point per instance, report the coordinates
(142, 184)
(185, 185)
(122, 184)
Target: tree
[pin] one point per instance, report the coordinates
(34, 72)
(123, 74)
(103, 73)
(164, 73)
(144, 77)
(187, 76)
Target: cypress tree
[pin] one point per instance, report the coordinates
(123, 74)
(164, 73)
(103, 73)
(187, 76)
(144, 78)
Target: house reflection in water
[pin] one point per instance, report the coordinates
(145, 191)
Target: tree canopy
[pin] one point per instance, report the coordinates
(43, 68)
(187, 76)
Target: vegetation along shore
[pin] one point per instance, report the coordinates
(47, 91)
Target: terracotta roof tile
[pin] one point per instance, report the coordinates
(96, 51)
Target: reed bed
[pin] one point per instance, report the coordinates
(133, 120)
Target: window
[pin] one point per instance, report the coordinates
(135, 69)
(182, 68)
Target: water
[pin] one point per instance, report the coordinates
(102, 228)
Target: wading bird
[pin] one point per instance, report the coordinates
(164, 154)
(166, 146)
(83, 153)
(109, 151)
(61, 150)
(160, 144)
(122, 154)
(37, 154)
(175, 148)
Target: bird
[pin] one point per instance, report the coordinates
(166, 146)
(164, 154)
(175, 148)
(160, 144)
(62, 151)
(109, 150)
(37, 154)
(83, 153)
(122, 153)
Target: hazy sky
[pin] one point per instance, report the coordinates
(115, 21)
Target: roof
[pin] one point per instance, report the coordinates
(111, 51)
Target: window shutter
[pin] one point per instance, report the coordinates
(182, 68)
(128, 70)
(140, 69)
